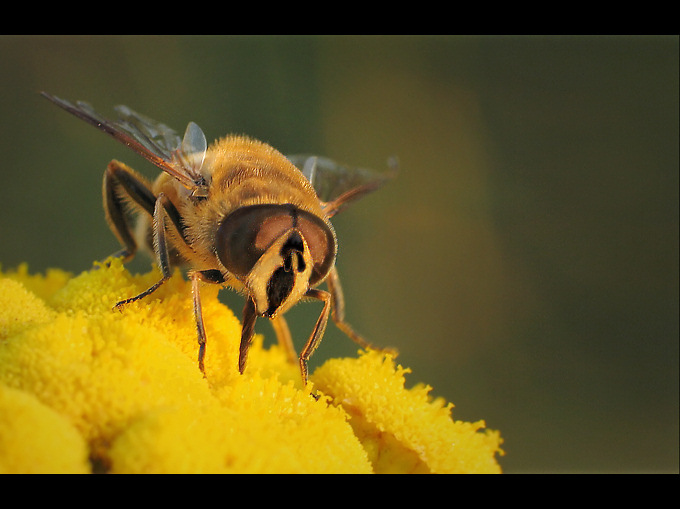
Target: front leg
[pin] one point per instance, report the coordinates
(247, 332)
(317, 333)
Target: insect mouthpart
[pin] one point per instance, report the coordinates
(283, 278)
(280, 277)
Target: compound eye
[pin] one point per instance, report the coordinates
(321, 242)
(246, 233)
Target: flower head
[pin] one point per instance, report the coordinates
(85, 388)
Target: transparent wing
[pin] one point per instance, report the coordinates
(195, 145)
(336, 184)
(156, 137)
(182, 158)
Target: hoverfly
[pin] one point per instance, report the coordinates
(236, 213)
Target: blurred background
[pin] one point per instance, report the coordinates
(524, 262)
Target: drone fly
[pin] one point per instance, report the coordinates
(236, 213)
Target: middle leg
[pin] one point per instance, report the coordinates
(160, 248)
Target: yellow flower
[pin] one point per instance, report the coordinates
(84, 388)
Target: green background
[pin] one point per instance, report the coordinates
(524, 262)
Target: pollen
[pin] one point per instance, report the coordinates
(85, 388)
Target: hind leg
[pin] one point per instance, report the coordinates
(122, 186)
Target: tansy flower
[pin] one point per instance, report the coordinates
(84, 388)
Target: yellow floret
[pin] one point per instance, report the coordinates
(261, 426)
(43, 286)
(48, 442)
(121, 392)
(404, 430)
(19, 308)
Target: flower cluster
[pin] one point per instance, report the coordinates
(85, 389)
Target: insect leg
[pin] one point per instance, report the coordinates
(198, 315)
(318, 331)
(338, 313)
(119, 180)
(210, 276)
(247, 331)
(284, 337)
(160, 247)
